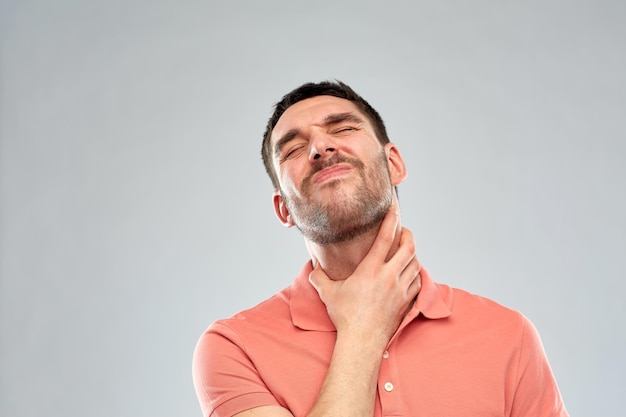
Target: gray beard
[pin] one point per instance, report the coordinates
(345, 217)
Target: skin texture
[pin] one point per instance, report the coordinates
(337, 187)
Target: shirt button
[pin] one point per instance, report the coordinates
(388, 386)
(385, 354)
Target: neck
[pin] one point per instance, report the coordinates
(339, 260)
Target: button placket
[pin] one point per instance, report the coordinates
(390, 398)
(388, 386)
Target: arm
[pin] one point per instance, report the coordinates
(366, 309)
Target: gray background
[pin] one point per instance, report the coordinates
(135, 209)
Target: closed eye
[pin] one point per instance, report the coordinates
(344, 129)
(293, 152)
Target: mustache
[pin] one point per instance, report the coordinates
(333, 160)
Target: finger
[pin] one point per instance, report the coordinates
(319, 280)
(415, 287)
(410, 280)
(411, 271)
(386, 235)
(405, 252)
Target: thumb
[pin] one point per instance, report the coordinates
(320, 281)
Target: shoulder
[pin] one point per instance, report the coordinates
(271, 312)
(223, 346)
(483, 311)
(462, 300)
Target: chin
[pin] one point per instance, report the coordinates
(340, 222)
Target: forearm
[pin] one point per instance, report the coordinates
(349, 389)
(366, 309)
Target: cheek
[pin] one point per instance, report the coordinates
(289, 178)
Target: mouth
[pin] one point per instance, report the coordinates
(332, 172)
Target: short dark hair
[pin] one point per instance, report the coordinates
(334, 88)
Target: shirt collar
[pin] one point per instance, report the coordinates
(308, 312)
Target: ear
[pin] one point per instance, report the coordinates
(280, 208)
(397, 168)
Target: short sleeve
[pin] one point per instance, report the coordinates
(225, 379)
(536, 392)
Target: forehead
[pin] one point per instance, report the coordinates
(313, 111)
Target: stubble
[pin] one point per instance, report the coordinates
(350, 211)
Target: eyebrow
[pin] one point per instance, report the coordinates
(331, 119)
(335, 118)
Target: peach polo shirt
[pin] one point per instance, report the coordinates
(455, 354)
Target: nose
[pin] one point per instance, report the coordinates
(321, 147)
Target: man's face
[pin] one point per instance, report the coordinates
(333, 172)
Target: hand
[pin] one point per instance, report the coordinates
(372, 301)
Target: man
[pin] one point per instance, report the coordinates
(363, 330)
